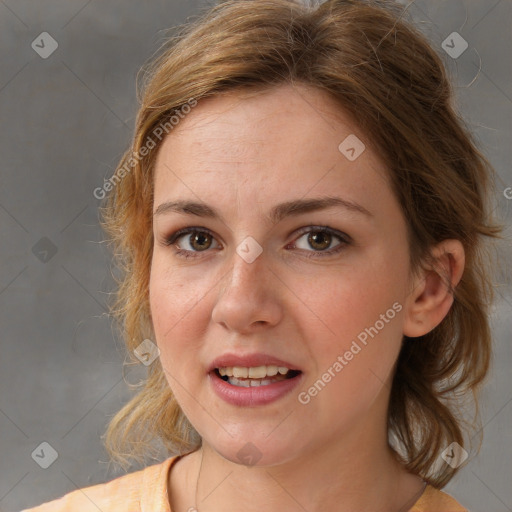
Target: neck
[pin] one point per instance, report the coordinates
(359, 474)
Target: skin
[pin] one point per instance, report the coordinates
(243, 155)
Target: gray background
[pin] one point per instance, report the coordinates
(65, 122)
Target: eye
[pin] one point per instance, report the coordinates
(198, 240)
(318, 237)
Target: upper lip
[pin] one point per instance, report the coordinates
(248, 360)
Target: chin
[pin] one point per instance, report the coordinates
(254, 451)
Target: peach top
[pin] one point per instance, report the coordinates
(146, 491)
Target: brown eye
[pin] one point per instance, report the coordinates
(190, 241)
(319, 239)
(200, 240)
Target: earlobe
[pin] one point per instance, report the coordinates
(432, 295)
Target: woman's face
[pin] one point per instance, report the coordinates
(326, 303)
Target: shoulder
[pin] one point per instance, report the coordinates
(434, 500)
(145, 489)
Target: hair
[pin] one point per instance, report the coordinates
(381, 71)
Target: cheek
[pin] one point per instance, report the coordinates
(177, 299)
(360, 315)
(174, 307)
(354, 300)
(168, 303)
(171, 295)
(356, 355)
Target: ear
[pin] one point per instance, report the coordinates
(432, 296)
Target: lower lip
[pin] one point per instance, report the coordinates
(259, 395)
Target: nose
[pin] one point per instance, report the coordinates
(248, 297)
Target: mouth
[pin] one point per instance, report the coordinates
(254, 376)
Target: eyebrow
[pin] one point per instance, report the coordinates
(278, 212)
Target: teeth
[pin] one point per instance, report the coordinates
(255, 372)
(246, 383)
(238, 371)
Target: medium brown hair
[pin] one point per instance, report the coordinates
(381, 71)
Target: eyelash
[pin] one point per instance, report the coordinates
(343, 238)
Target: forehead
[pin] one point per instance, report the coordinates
(298, 113)
(284, 140)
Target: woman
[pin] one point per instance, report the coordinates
(301, 220)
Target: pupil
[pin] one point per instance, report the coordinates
(314, 239)
(199, 237)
